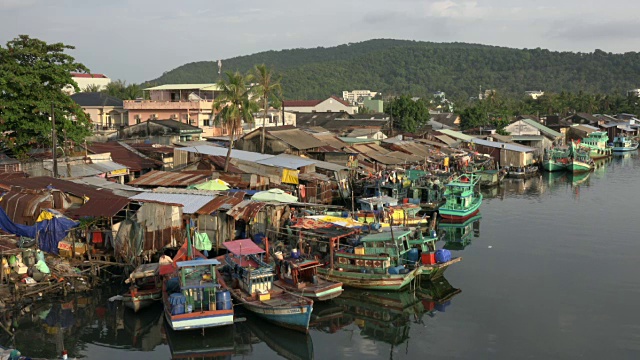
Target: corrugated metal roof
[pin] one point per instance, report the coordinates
(527, 137)
(116, 188)
(446, 139)
(456, 134)
(508, 146)
(222, 202)
(246, 210)
(286, 161)
(329, 166)
(191, 203)
(101, 207)
(542, 128)
(166, 178)
(220, 151)
(297, 138)
(123, 155)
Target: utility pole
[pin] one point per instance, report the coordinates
(54, 142)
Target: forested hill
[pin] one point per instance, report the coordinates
(420, 68)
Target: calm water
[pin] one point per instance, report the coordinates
(549, 271)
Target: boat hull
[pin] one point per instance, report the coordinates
(460, 215)
(435, 271)
(138, 303)
(578, 167)
(292, 317)
(623, 149)
(553, 166)
(199, 320)
(319, 293)
(360, 280)
(596, 154)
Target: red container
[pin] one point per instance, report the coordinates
(428, 258)
(428, 305)
(405, 200)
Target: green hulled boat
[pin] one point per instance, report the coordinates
(555, 159)
(596, 143)
(462, 199)
(579, 160)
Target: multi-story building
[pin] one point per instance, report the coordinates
(357, 97)
(99, 81)
(187, 103)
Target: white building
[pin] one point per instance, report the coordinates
(84, 80)
(534, 94)
(331, 104)
(357, 97)
(634, 92)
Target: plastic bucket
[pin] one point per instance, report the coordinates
(223, 300)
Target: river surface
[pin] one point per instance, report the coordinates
(549, 271)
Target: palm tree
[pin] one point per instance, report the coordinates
(92, 88)
(234, 104)
(267, 86)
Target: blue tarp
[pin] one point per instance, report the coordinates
(49, 232)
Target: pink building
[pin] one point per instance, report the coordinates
(187, 103)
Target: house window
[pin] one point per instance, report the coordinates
(206, 122)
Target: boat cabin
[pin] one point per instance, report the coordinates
(459, 193)
(247, 266)
(198, 283)
(377, 203)
(297, 271)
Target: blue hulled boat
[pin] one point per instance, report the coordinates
(622, 143)
(249, 278)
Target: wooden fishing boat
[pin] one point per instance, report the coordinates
(489, 178)
(191, 291)
(145, 289)
(462, 199)
(384, 212)
(579, 160)
(522, 172)
(300, 276)
(596, 143)
(555, 159)
(250, 280)
(623, 143)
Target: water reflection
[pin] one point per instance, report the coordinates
(387, 316)
(287, 343)
(459, 236)
(215, 343)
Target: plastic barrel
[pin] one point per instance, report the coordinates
(223, 300)
(177, 309)
(414, 256)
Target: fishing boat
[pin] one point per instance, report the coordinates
(145, 287)
(462, 199)
(522, 172)
(489, 178)
(579, 160)
(191, 292)
(299, 275)
(250, 280)
(622, 143)
(555, 159)
(427, 192)
(596, 143)
(383, 211)
(377, 263)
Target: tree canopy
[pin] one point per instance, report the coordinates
(32, 76)
(408, 114)
(420, 68)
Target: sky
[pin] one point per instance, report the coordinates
(138, 40)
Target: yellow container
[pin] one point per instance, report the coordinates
(359, 250)
(264, 296)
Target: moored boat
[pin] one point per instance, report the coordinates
(579, 160)
(145, 289)
(622, 143)
(300, 276)
(555, 159)
(250, 281)
(596, 142)
(462, 199)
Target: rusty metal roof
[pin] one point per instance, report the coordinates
(166, 178)
(246, 210)
(102, 207)
(222, 202)
(124, 156)
(190, 202)
(23, 205)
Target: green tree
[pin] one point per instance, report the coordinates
(234, 104)
(267, 86)
(32, 76)
(122, 91)
(408, 114)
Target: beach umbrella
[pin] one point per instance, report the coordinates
(215, 184)
(274, 195)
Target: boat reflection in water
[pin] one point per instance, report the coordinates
(458, 236)
(578, 179)
(387, 316)
(216, 343)
(290, 344)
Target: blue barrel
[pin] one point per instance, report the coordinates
(414, 256)
(443, 255)
(177, 309)
(396, 270)
(223, 300)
